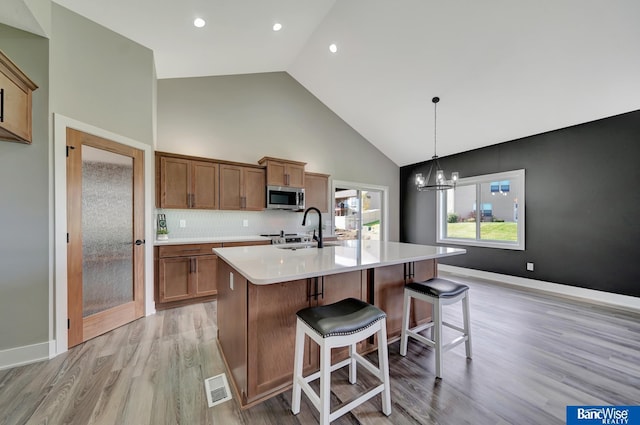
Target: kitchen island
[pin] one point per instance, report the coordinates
(260, 289)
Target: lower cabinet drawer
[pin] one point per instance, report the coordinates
(187, 250)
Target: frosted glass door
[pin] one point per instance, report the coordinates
(105, 235)
(107, 229)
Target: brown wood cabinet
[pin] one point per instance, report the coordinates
(188, 273)
(242, 188)
(15, 102)
(283, 172)
(272, 317)
(388, 293)
(256, 323)
(185, 272)
(316, 191)
(186, 183)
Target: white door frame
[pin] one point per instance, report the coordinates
(384, 235)
(58, 287)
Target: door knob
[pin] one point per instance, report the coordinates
(139, 242)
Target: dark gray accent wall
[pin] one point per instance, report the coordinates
(582, 205)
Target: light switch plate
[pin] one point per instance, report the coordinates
(183, 223)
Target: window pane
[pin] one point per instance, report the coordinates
(461, 212)
(499, 214)
(495, 219)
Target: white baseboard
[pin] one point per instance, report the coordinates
(625, 302)
(21, 356)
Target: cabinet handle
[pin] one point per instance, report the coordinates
(193, 200)
(316, 287)
(195, 265)
(1, 105)
(409, 271)
(286, 179)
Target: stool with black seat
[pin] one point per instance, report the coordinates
(438, 292)
(341, 324)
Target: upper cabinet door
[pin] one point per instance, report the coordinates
(255, 189)
(174, 183)
(295, 175)
(185, 183)
(204, 185)
(316, 191)
(242, 188)
(15, 102)
(276, 174)
(283, 172)
(230, 187)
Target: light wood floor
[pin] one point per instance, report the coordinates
(533, 355)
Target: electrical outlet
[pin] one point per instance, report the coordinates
(245, 223)
(183, 223)
(530, 267)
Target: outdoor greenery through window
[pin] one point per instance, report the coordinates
(484, 210)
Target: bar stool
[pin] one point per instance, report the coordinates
(341, 324)
(437, 292)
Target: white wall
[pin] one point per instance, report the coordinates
(245, 117)
(24, 206)
(92, 75)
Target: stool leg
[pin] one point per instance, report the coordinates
(297, 370)
(383, 365)
(467, 324)
(437, 336)
(353, 370)
(325, 384)
(406, 307)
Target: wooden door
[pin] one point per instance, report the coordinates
(276, 173)
(295, 175)
(230, 187)
(206, 275)
(316, 191)
(255, 189)
(105, 224)
(204, 185)
(174, 183)
(174, 279)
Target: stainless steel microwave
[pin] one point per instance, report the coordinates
(285, 198)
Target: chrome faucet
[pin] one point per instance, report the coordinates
(319, 237)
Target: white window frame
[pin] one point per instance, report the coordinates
(518, 176)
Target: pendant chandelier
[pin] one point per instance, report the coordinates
(439, 182)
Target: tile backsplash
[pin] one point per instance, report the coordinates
(217, 223)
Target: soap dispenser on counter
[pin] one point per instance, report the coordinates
(162, 233)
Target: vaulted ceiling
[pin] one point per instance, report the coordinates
(503, 69)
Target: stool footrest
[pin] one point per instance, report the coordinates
(355, 402)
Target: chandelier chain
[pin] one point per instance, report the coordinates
(435, 128)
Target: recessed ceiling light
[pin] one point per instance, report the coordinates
(333, 48)
(199, 22)
(277, 26)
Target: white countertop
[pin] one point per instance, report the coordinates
(267, 264)
(211, 239)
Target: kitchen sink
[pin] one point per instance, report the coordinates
(306, 245)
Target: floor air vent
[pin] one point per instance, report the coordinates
(217, 389)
